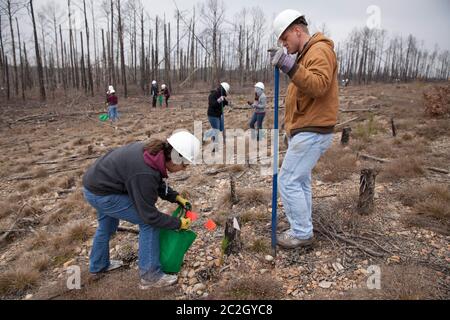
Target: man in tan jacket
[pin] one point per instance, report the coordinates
(312, 104)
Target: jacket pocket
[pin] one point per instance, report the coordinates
(301, 108)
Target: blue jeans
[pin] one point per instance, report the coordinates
(217, 125)
(258, 118)
(110, 210)
(113, 113)
(305, 150)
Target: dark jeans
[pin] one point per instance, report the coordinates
(258, 118)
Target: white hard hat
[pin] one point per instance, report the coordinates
(226, 87)
(260, 85)
(163, 86)
(111, 90)
(154, 82)
(284, 20)
(186, 144)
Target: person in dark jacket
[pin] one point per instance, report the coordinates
(217, 101)
(166, 93)
(125, 184)
(154, 92)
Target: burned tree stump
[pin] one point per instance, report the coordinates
(232, 243)
(233, 195)
(394, 128)
(367, 191)
(346, 136)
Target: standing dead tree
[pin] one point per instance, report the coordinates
(90, 77)
(212, 13)
(122, 50)
(367, 191)
(38, 55)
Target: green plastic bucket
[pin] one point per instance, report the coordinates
(174, 245)
(104, 117)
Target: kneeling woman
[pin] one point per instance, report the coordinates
(125, 185)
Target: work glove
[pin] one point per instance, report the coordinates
(221, 99)
(184, 203)
(281, 60)
(185, 224)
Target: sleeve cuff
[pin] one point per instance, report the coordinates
(293, 71)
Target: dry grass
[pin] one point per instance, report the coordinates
(56, 218)
(66, 182)
(40, 240)
(437, 202)
(260, 245)
(434, 129)
(24, 186)
(236, 169)
(431, 207)
(221, 217)
(249, 288)
(42, 189)
(79, 142)
(78, 232)
(247, 198)
(402, 283)
(37, 260)
(251, 216)
(405, 168)
(8, 208)
(336, 165)
(17, 282)
(125, 288)
(40, 173)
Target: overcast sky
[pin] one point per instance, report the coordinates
(427, 20)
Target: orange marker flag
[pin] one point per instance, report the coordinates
(192, 215)
(210, 225)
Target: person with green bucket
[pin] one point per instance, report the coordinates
(112, 101)
(125, 184)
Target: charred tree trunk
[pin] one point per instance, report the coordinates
(2, 52)
(22, 81)
(83, 68)
(367, 191)
(13, 44)
(156, 61)
(8, 84)
(90, 77)
(394, 128)
(122, 51)
(232, 243)
(38, 55)
(111, 61)
(104, 56)
(233, 195)
(143, 77)
(345, 140)
(64, 73)
(55, 29)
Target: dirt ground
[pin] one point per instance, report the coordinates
(46, 226)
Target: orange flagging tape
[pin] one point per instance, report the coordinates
(210, 225)
(192, 215)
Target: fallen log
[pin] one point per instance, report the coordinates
(340, 126)
(372, 158)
